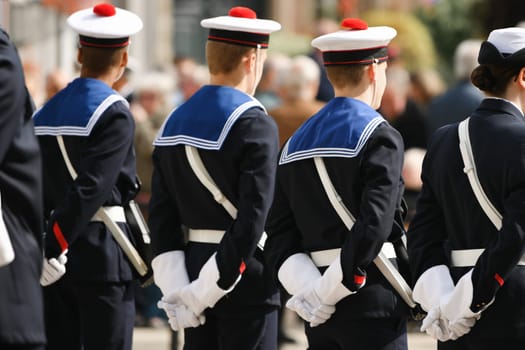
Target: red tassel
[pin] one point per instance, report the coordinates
(60, 236)
(243, 12)
(499, 279)
(242, 267)
(354, 24)
(104, 10)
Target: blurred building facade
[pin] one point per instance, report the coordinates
(45, 41)
(171, 27)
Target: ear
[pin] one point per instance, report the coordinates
(248, 61)
(521, 78)
(124, 59)
(80, 55)
(371, 71)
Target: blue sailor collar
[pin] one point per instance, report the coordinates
(76, 109)
(206, 118)
(339, 129)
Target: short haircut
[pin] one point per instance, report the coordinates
(344, 75)
(100, 60)
(223, 57)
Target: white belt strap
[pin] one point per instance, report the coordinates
(103, 215)
(116, 213)
(336, 200)
(204, 177)
(469, 257)
(381, 261)
(322, 258)
(470, 169)
(202, 174)
(215, 236)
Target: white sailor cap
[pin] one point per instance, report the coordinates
(105, 26)
(355, 43)
(241, 27)
(504, 46)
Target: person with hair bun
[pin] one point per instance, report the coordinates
(466, 242)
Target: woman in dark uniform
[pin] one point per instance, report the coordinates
(466, 242)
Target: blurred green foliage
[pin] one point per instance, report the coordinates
(413, 41)
(450, 22)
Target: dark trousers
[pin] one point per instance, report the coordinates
(247, 333)
(369, 334)
(89, 315)
(468, 342)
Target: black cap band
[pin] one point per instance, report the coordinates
(489, 54)
(112, 43)
(367, 56)
(239, 38)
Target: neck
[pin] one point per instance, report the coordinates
(359, 92)
(515, 95)
(109, 77)
(231, 80)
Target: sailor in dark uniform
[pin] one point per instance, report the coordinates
(92, 306)
(466, 253)
(21, 215)
(327, 268)
(231, 302)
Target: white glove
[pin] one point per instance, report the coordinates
(204, 291)
(456, 307)
(179, 316)
(431, 288)
(169, 273)
(53, 269)
(329, 287)
(436, 326)
(297, 273)
(309, 307)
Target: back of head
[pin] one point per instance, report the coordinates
(346, 51)
(501, 57)
(466, 58)
(104, 32)
(231, 37)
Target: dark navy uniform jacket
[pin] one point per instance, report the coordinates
(21, 307)
(363, 155)
(98, 130)
(449, 217)
(238, 144)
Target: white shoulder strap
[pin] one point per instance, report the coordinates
(336, 201)
(204, 177)
(384, 265)
(470, 169)
(119, 235)
(63, 150)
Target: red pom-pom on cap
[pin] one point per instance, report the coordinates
(354, 24)
(243, 12)
(104, 10)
